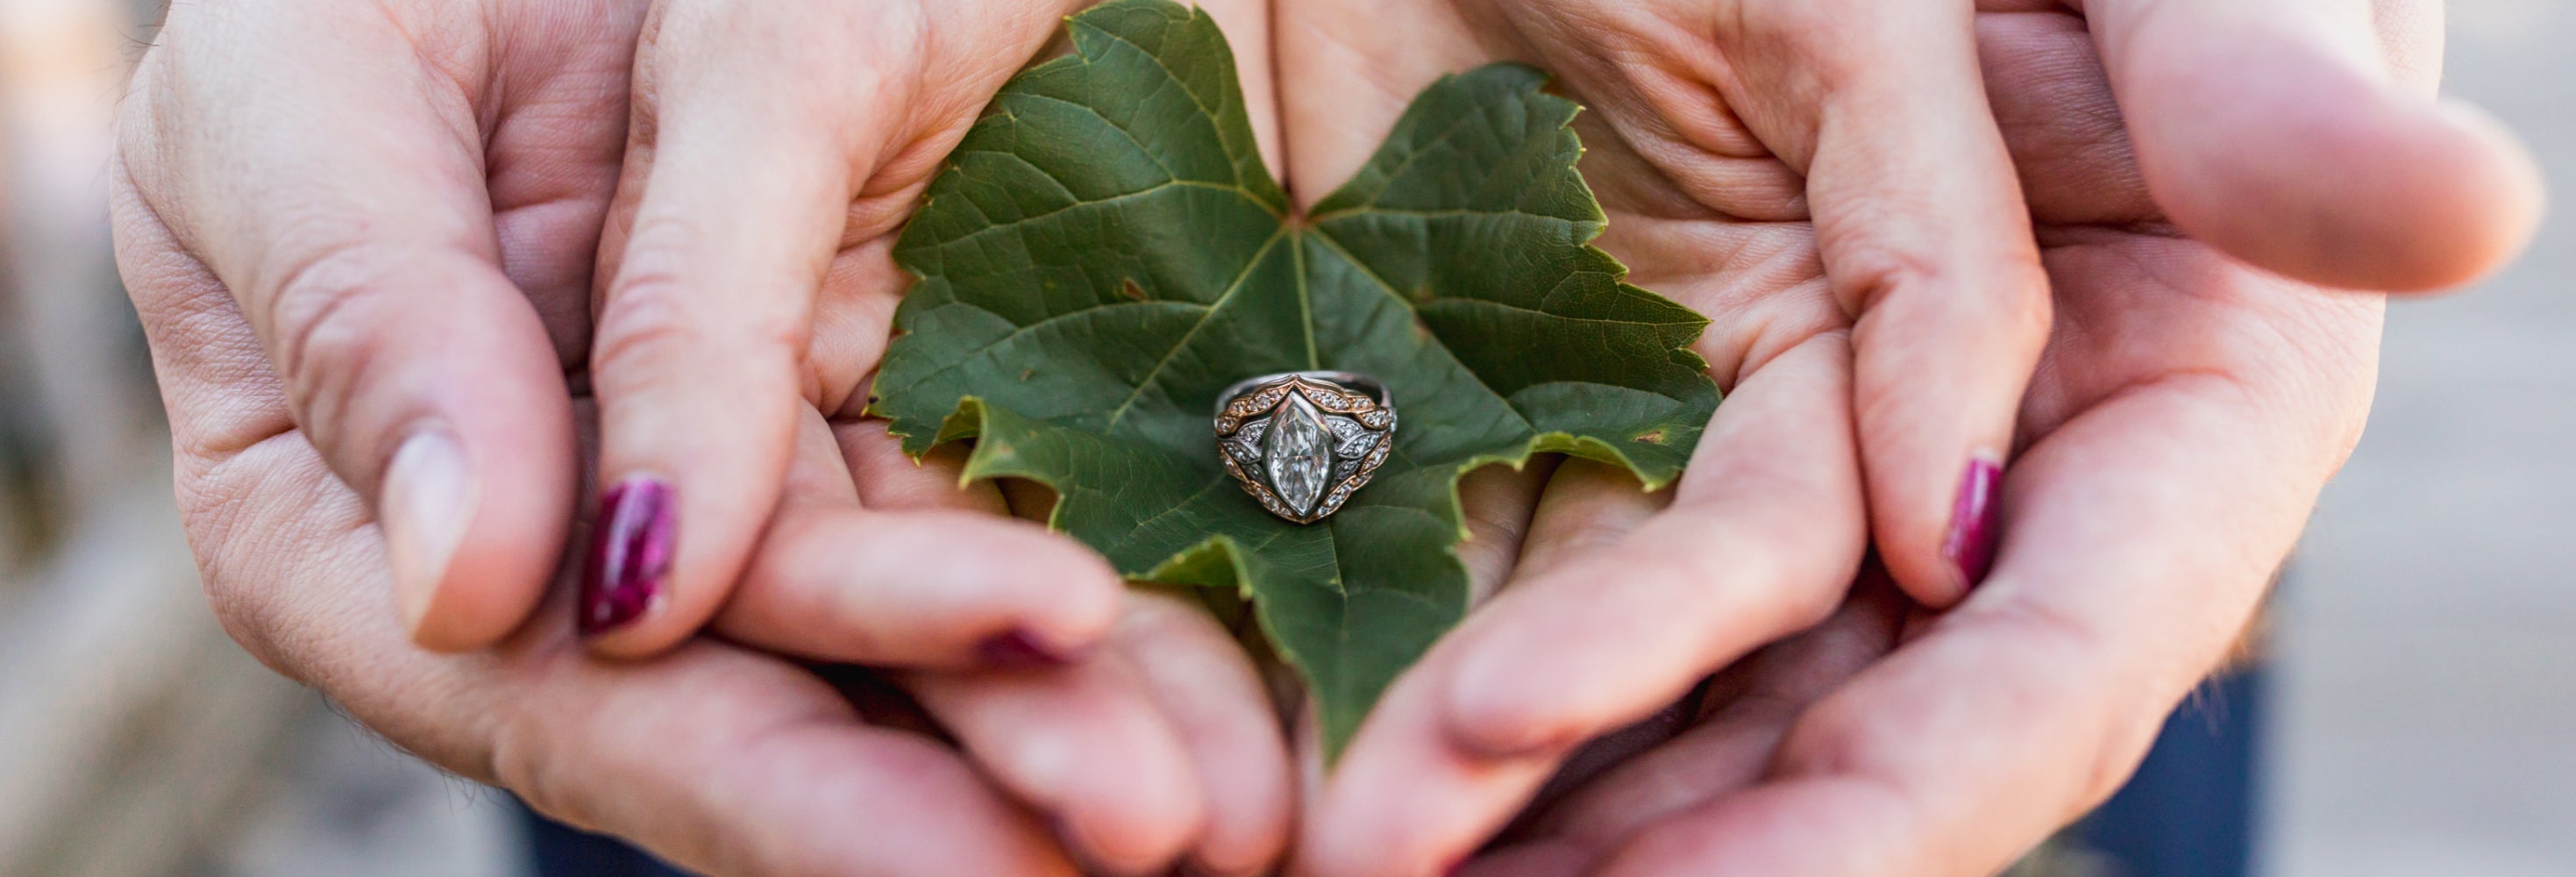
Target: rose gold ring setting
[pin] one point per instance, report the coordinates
(1302, 442)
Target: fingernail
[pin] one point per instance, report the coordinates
(630, 552)
(427, 501)
(1976, 521)
(1017, 649)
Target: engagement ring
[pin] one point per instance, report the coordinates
(1303, 442)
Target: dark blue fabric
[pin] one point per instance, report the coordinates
(2189, 812)
(559, 850)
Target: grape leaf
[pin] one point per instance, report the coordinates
(1106, 252)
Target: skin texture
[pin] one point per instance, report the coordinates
(347, 226)
(1823, 180)
(1926, 233)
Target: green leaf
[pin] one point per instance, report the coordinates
(1106, 253)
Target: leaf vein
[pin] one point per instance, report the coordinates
(1156, 373)
(1391, 292)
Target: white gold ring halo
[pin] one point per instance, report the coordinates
(1302, 442)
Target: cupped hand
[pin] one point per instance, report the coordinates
(713, 756)
(1887, 208)
(748, 284)
(745, 273)
(362, 238)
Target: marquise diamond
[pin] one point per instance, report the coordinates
(1298, 455)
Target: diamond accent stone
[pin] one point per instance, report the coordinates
(1244, 451)
(1298, 456)
(1350, 440)
(1246, 442)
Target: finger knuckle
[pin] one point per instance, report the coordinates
(659, 311)
(325, 313)
(647, 319)
(641, 336)
(2009, 288)
(1882, 264)
(1869, 268)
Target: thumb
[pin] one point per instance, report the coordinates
(350, 224)
(2278, 131)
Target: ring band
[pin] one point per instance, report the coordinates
(1302, 442)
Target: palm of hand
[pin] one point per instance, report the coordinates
(1830, 751)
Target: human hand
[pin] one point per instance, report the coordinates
(713, 756)
(2183, 417)
(407, 202)
(716, 756)
(745, 271)
(776, 153)
(346, 197)
(1613, 603)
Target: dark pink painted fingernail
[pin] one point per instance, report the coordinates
(1976, 521)
(1017, 649)
(630, 553)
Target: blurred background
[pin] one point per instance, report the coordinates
(2415, 712)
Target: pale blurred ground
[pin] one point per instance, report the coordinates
(2427, 697)
(2424, 720)
(345, 803)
